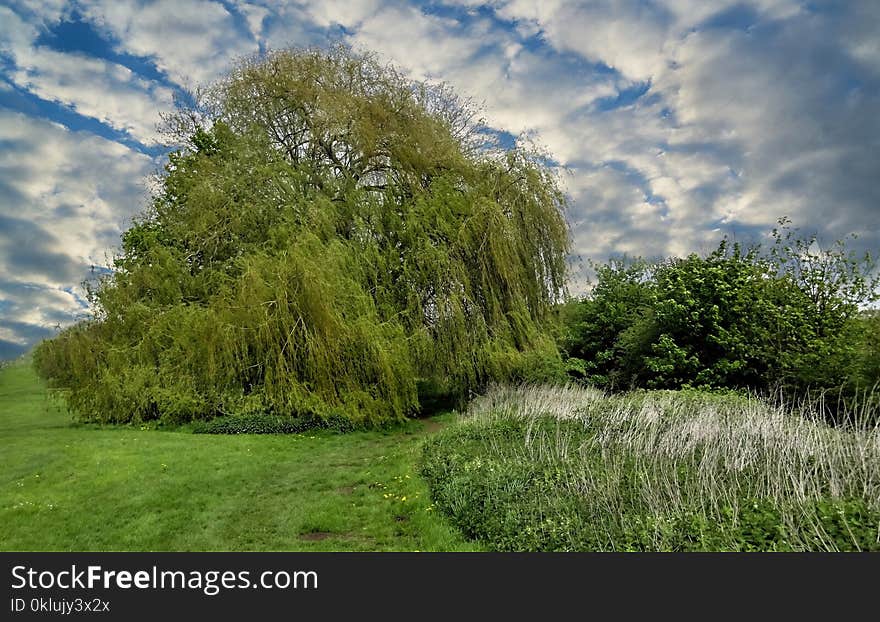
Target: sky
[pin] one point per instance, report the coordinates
(674, 122)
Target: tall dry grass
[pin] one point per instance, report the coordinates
(686, 453)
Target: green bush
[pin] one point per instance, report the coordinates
(866, 359)
(266, 424)
(784, 319)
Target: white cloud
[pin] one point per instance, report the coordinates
(347, 13)
(65, 199)
(255, 16)
(528, 92)
(739, 126)
(193, 41)
(108, 92)
(523, 91)
(17, 34)
(97, 88)
(426, 45)
(47, 11)
(36, 310)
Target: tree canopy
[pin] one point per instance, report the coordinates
(328, 238)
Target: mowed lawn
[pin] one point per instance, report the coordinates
(70, 487)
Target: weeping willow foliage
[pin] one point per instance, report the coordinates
(328, 238)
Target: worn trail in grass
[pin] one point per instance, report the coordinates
(72, 487)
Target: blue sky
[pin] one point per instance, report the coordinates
(677, 121)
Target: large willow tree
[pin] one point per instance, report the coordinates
(328, 238)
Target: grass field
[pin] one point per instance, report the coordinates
(69, 487)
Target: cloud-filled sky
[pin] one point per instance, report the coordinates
(677, 121)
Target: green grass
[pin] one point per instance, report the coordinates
(69, 487)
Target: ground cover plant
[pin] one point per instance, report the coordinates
(90, 487)
(551, 468)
